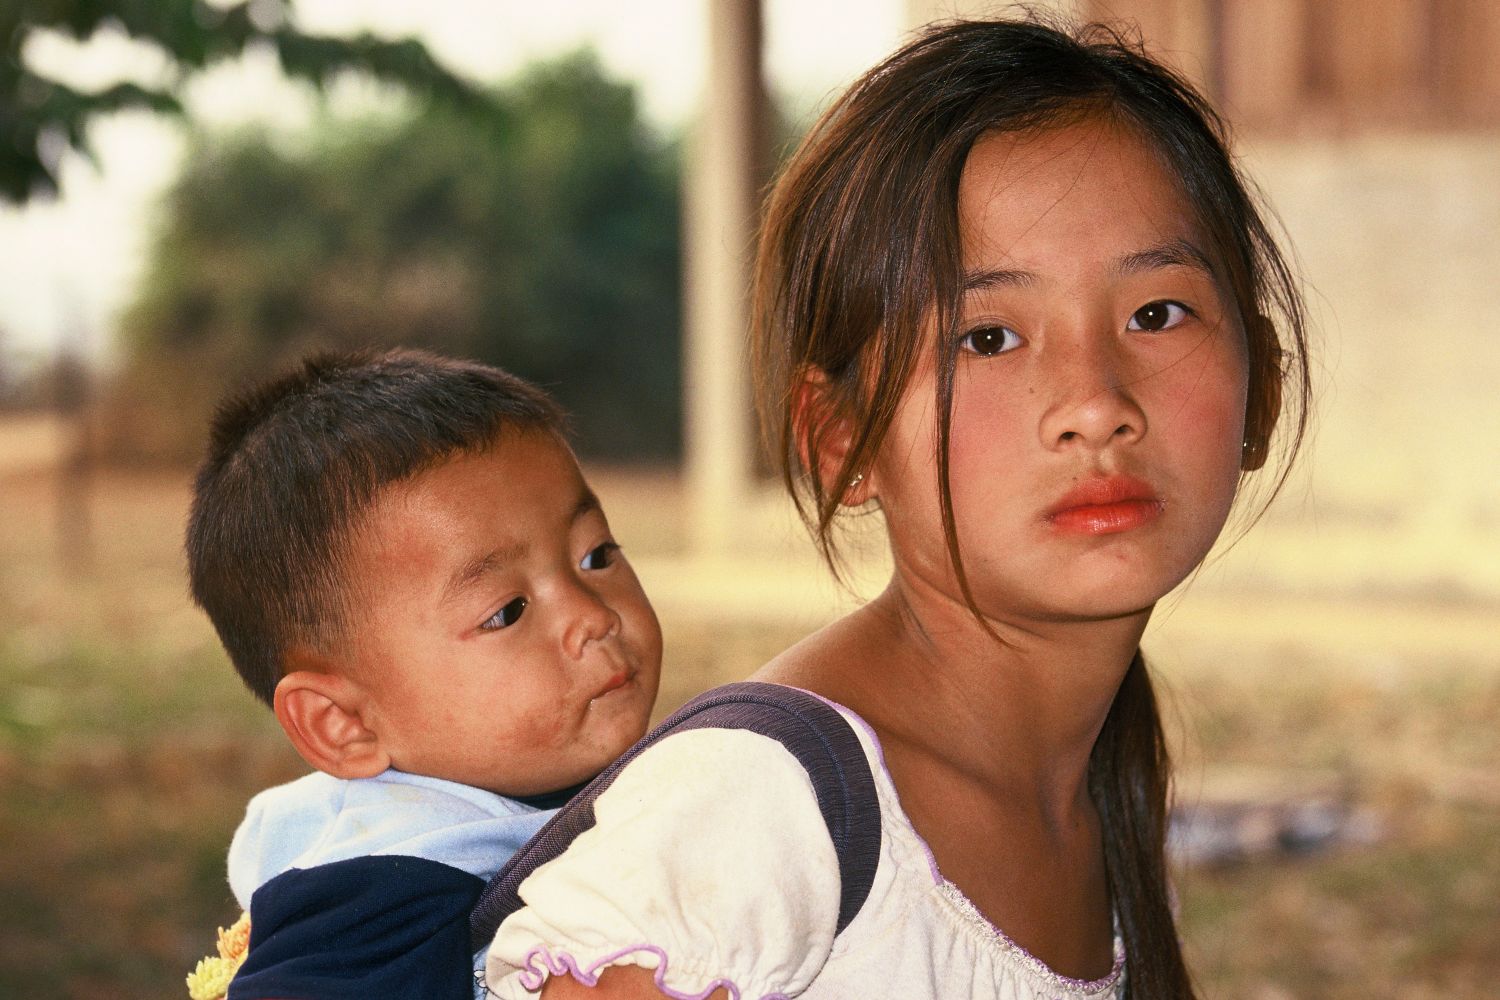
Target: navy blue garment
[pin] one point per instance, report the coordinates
(369, 927)
(363, 887)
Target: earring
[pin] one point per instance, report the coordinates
(859, 477)
(1253, 454)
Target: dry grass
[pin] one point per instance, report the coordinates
(127, 750)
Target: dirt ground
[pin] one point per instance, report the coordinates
(127, 748)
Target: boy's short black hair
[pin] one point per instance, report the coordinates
(293, 464)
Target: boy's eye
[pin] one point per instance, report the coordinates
(507, 615)
(600, 556)
(988, 341)
(1155, 316)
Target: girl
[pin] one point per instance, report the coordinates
(1011, 292)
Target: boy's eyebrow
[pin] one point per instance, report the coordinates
(473, 570)
(588, 503)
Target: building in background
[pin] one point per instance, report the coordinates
(1312, 67)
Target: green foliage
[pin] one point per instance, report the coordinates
(193, 35)
(542, 236)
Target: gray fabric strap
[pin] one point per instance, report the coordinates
(813, 731)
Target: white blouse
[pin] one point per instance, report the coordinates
(710, 863)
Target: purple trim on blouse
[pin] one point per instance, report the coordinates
(533, 978)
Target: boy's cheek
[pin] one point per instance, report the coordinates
(544, 729)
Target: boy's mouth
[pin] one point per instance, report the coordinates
(617, 680)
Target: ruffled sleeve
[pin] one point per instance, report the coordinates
(708, 862)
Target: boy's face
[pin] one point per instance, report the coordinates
(503, 640)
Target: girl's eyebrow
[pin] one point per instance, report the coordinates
(993, 277)
(1173, 253)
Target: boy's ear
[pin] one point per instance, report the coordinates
(323, 715)
(824, 436)
(1263, 407)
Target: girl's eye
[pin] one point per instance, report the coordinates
(1155, 316)
(988, 341)
(600, 557)
(506, 616)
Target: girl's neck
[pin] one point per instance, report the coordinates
(1019, 713)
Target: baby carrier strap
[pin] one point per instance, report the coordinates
(812, 730)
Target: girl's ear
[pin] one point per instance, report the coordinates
(823, 437)
(323, 715)
(1263, 406)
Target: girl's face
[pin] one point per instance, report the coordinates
(1099, 387)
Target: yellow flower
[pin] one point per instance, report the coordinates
(210, 980)
(234, 942)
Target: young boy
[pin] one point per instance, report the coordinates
(402, 559)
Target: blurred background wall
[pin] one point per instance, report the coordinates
(569, 190)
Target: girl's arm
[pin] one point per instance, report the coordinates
(626, 982)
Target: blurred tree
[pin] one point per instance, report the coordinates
(542, 237)
(40, 116)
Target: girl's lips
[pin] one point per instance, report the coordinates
(1105, 505)
(1106, 518)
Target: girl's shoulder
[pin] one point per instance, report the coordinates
(711, 863)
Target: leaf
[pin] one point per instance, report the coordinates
(193, 35)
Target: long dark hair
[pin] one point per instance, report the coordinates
(860, 251)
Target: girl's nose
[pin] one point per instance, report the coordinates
(590, 620)
(1094, 404)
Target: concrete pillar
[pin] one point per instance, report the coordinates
(722, 176)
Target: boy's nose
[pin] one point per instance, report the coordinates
(590, 620)
(1093, 404)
